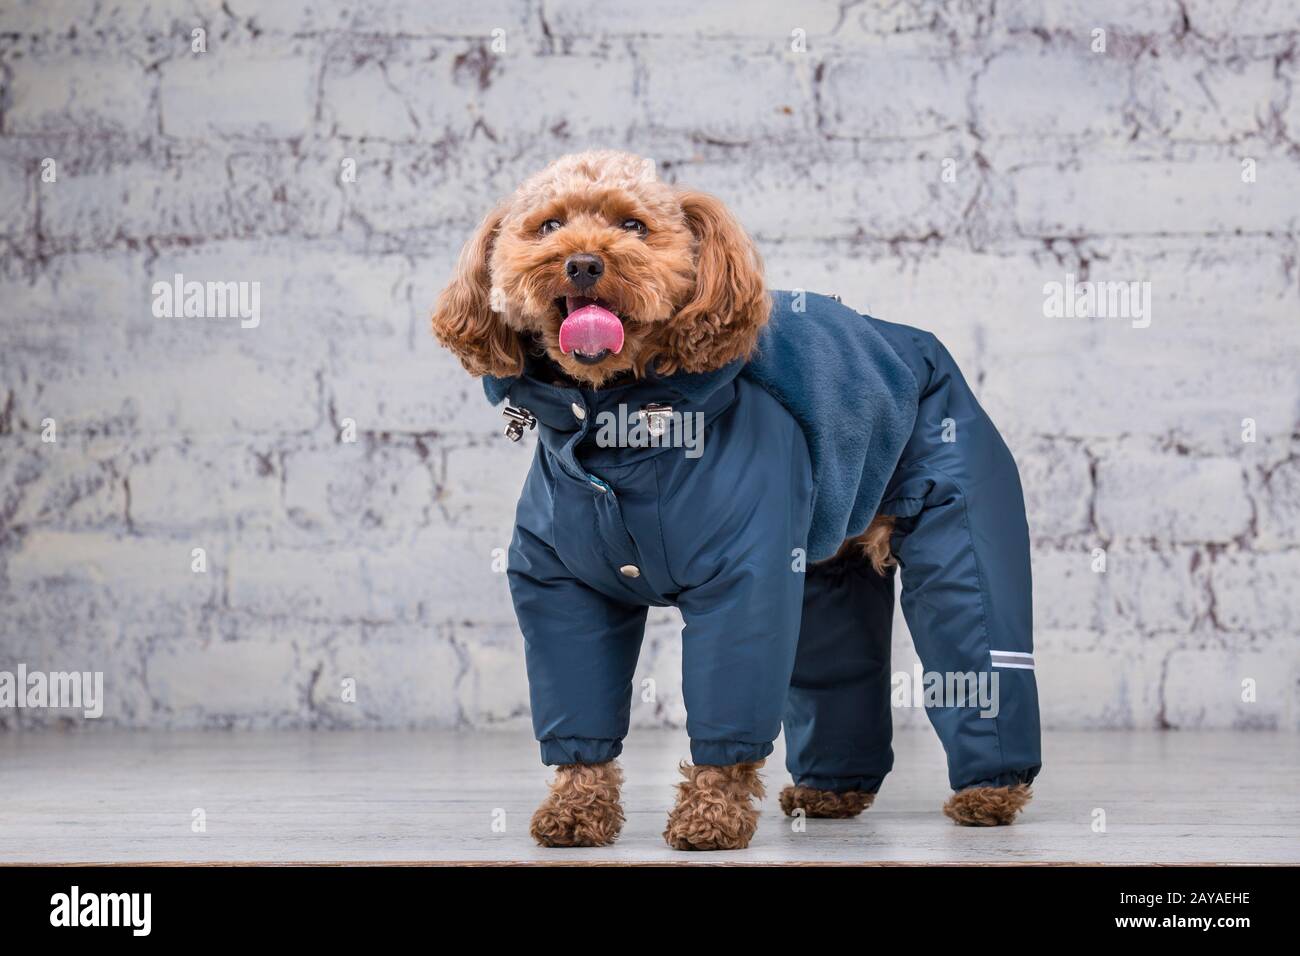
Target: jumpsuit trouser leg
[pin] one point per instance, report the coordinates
(837, 717)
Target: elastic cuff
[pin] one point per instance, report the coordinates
(1010, 778)
(840, 784)
(562, 750)
(723, 753)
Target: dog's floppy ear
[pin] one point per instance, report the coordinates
(463, 319)
(730, 305)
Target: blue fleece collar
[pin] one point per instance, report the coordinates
(853, 396)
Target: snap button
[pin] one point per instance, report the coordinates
(630, 571)
(578, 411)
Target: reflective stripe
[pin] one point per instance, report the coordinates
(1015, 660)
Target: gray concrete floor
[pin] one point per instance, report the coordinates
(116, 796)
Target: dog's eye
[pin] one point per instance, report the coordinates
(549, 227)
(634, 225)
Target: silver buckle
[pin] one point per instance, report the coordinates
(656, 417)
(516, 420)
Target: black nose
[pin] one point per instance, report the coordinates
(583, 269)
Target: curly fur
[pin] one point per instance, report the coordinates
(691, 291)
(714, 809)
(582, 808)
(987, 806)
(872, 545)
(825, 804)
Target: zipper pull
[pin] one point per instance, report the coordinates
(516, 420)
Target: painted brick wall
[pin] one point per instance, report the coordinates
(936, 163)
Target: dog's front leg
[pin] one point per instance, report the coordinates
(738, 649)
(581, 650)
(987, 806)
(582, 808)
(715, 809)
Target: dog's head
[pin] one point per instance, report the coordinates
(609, 270)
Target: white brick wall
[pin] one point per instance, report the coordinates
(374, 561)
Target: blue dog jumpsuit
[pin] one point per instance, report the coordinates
(759, 470)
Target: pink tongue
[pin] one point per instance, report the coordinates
(591, 330)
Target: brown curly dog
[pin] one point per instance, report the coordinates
(595, 272)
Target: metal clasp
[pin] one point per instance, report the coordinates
(656, 416)
(516, 420)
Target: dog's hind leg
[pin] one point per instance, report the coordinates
(962, 542)
(837, 718)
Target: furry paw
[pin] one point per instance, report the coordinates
(825, 804)
(987, 806)
(714, 809)
(582, 808)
